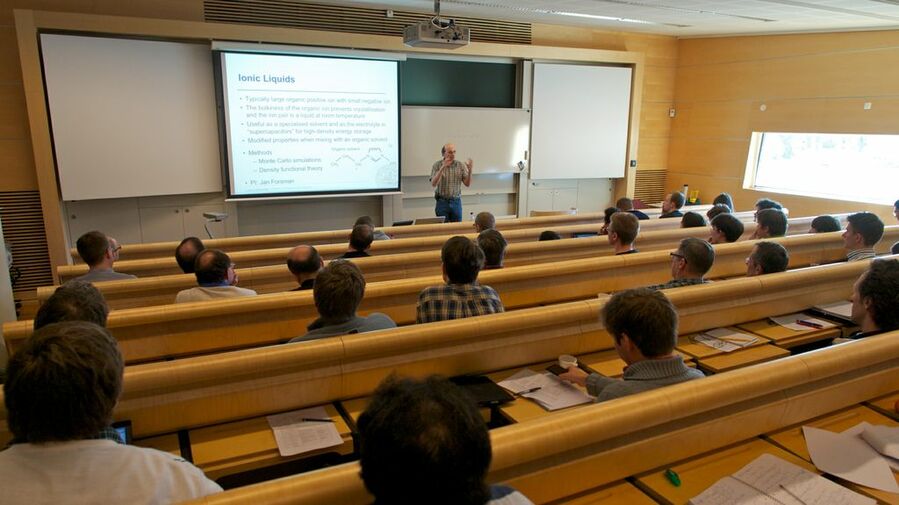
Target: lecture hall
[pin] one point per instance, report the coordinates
(354, 252)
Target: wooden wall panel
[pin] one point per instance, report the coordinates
(808, 83)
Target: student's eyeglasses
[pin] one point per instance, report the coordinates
(678, 255)
(232, 266)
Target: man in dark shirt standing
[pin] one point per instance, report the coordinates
(447, 177)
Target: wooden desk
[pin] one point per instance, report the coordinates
(698, 474)
(522, 409)
(165, 443)
(618, 493)
(696, 350)
(236, 447)
(739, 359)
(885, 405)
(608, 363)
(787, 338)
(792, 440)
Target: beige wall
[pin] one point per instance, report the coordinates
(809, 83)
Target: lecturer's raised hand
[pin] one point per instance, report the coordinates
(470, 165)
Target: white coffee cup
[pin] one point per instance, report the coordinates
(567, 361)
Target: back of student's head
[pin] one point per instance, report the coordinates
(868, 225)
(771, 257)
(92, 247)
(729, 225)
(73, 301)
(304, 259)
(63, 383)
(624, 203)
(692, 220)
(774, 220)
(462, 260)
(647, 317)
(212, 266)
(485, 221)
(881, 285)
(678, 199)
(186, 253)
(493, 244)
(626, 226)
(361, 237)
(339, 288)
(825, 224)
(424, 441)
(364, 220)
(718, 208)
(607, 214)
(724, 199)
(698, 254)
(549, 235)
(767, 203)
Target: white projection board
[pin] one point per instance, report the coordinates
(131, 117)
(310, 125)
(580, 121)
(495, 139)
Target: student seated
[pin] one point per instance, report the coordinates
(186, 253)
(304, 262)
(726, 228)
(425, 442)
(549, 235)
(484, 221)
(60, 391)
(767, 258)
(692, 220)
(493, 244)
(724, 199)
(689, 264)
(216, 278)
(606, 219)
(718, 208)
(766, 203)
(875, 299)
(863, 232)
(625, 204)
(99, 252)
(672, 205)
(623, 231)
(643, 324)
(339, 289)
(73, 301)
(825, 224)
(360, 241)
(771, 223)
(895, 248)
(461, 296)
(376, 234)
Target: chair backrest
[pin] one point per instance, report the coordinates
(431, 220)
(543, 213)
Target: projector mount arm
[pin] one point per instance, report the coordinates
(439, 23)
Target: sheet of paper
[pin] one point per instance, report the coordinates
(725, 339)
(731, 491)
(849, 457)
(842, 309)
(295, 436)
(859, 430)
(554, 393)
(789, 321)
(884, 439)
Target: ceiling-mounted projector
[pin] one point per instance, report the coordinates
(440, 33)
(426, 34)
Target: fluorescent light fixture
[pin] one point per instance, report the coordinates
(596, 16)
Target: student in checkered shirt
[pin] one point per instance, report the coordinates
(461, 296)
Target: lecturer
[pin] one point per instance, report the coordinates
(447, 177)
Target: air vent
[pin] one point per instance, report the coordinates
(650, 186)
(288, 13)
(23, 230)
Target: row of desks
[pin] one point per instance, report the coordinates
(247, 445)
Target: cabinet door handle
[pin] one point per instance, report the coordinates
(177, 211)
(186, 210)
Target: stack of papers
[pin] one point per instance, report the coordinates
(725, 339)
(849, 456)
(296, 436)
(769, 480)
(808, 323)
(841, 310)
(553, 393)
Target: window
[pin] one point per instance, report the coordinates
(840, 166)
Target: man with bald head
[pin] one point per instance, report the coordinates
(304, 262)
(447, 177)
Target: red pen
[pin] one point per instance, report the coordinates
(809, 324)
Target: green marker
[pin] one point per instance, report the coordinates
(673, 477)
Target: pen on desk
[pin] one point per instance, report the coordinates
(810, 324)
(526, 391)
(314, 420)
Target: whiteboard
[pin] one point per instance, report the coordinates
(131, 117)
(495, 139)
(580, 121)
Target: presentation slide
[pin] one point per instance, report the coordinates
(310, 125)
